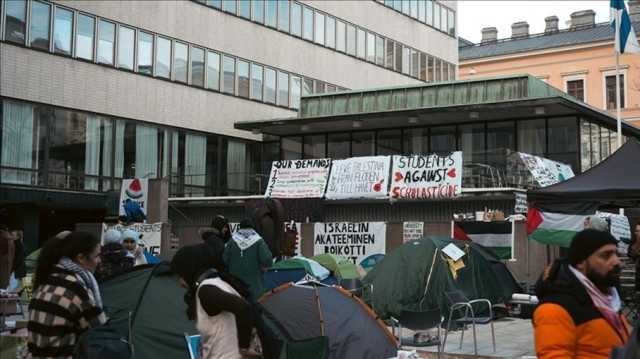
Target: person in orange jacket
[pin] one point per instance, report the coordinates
(579, 315)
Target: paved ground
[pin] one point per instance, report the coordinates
(514, 339)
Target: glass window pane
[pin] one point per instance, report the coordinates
(438, 68)
(423, 66)
(389, 142)
(595, 144)
(257, 8)
(330, 40)
(436, 15)
(610, 83)
(406, 7)
(429, 12)
(341, 36)
(256, 82)
(229, 5)
(585, 145)
(362, 45)
(414, 9)
(295, 91)
(163, 58)
(452, 72)
(430, 69)
(215, 3)
(314, 146)
(452, 23)
(443, 19)
(500, 141)
(339, 145)
(243, 79)
(291, 148)
(389, 53)
(39, 29)
(62, 31)
(180, 61)
(283, 15)
(15, 21)
(380, 50)
(145, 53)
(415, 63)
(371, 47)
(229, 68)
(126, 43)
(397, 5)
(416, 141)
(197, 66)
(283, 89)
(84, 38)
(319, 88)
(244, 8)
(213, 70)
(362, 143)
(563, 140)
(443, 139)
(319, 33)
(271, 12)
(445, 71)
(269, 85)
(307, 87)
(398, 54)
(307, 23)
(421, 10)
(351, 40)
(296, 19)
(406, 60)
(107, 33)
(471, 143)
(532, 137)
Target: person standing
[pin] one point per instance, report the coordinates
(66, 299)
(114, 259)
(579, 315)
(246, 256)
(216, 237)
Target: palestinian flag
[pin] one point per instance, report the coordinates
(494, 235)
(552, 227)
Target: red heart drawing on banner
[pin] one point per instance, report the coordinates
(378, 186)
(451, 173)
(399, 176)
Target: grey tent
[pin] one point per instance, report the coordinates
(310, 311)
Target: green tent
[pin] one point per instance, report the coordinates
(341, 266)
(416, 275)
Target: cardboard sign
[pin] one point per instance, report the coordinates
(298, 178)
(356, 241)
(412, 231)
(453, 251)
(545, 171)
(136, 190)
(151, 234)
(359, 177)
(618, 225)
(521, 205)
(426, 177)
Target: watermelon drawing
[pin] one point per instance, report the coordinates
(135, 189)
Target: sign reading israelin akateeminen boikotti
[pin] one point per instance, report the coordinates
(359, 177)
(426, 177)
(356, 241)
(298, 178)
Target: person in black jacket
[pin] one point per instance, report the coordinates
(215, 237)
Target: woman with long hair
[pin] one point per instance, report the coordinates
(215, 301)
(66, 299)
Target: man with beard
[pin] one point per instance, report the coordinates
(579, 315)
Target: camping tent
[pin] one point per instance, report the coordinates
(342, 267)
(155, 299)
(613, 182)
(307, 311)
(295, 269)
(416, 275)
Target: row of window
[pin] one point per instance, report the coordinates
(576, 88)
(90, 38)
(428, 12)
(323, 29)
(47, 146)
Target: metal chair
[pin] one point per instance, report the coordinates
(416, 321)
(458, 301)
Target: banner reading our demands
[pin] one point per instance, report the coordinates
(356, 241)
(359, 177)
(298, 178)
(426, 177)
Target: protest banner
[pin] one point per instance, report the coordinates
(356, 241)
(136, 190)
(618, 225)
(545, 171)
(412, 231)
(298, 178)
(426, 177)
(151, 234)
(521, 205)
(359, 177)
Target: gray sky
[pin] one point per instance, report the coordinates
(473, 15)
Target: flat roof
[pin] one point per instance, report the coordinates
(509, 97)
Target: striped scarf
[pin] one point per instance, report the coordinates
(85, 276)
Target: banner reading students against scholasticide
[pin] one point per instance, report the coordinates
(426, 177)
(356, 241)
(359, 177)
(298, 178)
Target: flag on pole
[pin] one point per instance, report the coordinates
(625, 39)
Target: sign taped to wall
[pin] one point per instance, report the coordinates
(298, 178)
(356, 241)
(359, 177)
(426, 177)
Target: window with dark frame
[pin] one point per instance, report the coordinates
(575, 88)
(610, 89)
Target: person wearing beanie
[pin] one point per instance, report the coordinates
(114, 258)
(130, 240)
(579, 312)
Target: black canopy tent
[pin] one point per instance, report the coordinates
(614, 182)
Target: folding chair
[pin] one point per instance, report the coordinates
(416, 321)
(458, 301)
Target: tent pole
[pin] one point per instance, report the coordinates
(433, 262)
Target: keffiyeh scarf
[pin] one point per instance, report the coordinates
(86, 276)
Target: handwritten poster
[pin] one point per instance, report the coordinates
(136, 190)
(356, 241)
(521, 205)
(618, 225)
(426, 177)
(359, 177)
(545, 171)
(298, 178)
(151, 234)
(412, 231)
